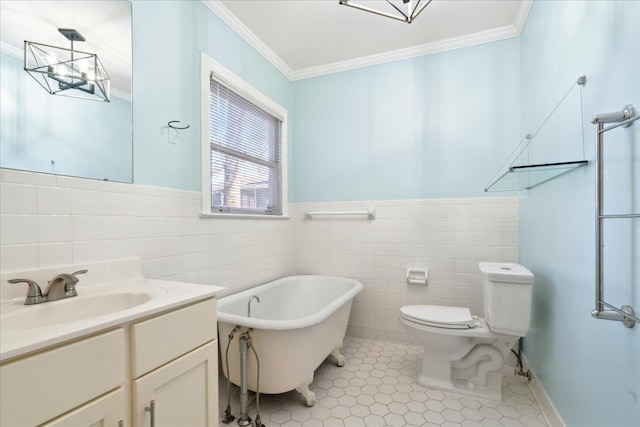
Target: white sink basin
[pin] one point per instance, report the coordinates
(71, 310)
(112, 294)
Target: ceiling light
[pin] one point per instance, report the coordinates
(402, 10)
(67, 72)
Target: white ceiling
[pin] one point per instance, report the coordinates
(302, 38)
(105, 24)
(306, 38)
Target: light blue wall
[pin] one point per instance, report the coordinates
(590, 368)
(38, 128)
(433, 126)
(168, 37)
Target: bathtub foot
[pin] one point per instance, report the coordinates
(309, 396)
(340, 360)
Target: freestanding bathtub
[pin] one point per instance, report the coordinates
(299, 321)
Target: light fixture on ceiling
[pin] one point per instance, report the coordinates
(67, 72)
(394, 8)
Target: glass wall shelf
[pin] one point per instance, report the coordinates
(526, 177)
(564, 119)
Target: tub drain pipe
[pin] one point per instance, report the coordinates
(258, 422)
(228, 417)
(244, 419)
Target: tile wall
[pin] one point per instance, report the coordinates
(49, 220)
(449, 237)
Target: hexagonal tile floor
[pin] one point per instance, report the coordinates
(376, 387)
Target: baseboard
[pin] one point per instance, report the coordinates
(549, 411)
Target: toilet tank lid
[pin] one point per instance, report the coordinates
(506, 272)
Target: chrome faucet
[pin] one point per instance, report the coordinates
(249, 304)
(61, 286)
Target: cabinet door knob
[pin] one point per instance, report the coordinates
(152, 409)
(121, 423)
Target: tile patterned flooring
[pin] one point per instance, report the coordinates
(376, 387)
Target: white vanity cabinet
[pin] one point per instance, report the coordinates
(175, 366)
(110, 377)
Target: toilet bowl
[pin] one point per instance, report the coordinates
(464, 353)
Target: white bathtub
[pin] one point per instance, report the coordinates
(298, 322)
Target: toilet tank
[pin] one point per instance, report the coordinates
(507, 297)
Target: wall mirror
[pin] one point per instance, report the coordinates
(56, 133)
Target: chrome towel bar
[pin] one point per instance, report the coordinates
(369, 213)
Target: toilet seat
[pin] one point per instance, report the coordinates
(439, 316)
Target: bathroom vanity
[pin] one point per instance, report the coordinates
(147, 356)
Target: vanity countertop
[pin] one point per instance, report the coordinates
(100, 305)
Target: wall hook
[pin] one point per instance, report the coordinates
(177, 127)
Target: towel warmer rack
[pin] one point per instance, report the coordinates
(603, 309)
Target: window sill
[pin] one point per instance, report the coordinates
(242, 216)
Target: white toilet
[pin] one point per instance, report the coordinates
(465, 353)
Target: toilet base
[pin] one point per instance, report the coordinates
(461, 387)
(477, 374)
(467, 362)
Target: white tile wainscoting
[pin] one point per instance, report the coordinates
(49, 220)
(447, 236)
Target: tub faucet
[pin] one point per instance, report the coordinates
(63, 286)
(249, 304)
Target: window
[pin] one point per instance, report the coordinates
(243, 147)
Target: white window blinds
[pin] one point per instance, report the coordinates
(246, 155)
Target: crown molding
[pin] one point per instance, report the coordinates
(492, 35)
(523, 14)
(10, 50)
(243, 31)
(496, 34)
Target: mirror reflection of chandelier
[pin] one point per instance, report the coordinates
(401, 10)
(67, 72)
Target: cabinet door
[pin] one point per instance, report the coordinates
(107, 411)
(39, 388)
(185, 391)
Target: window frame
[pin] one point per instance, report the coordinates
(209, 68)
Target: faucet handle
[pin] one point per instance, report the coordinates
(70, 287)
(34, 293)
